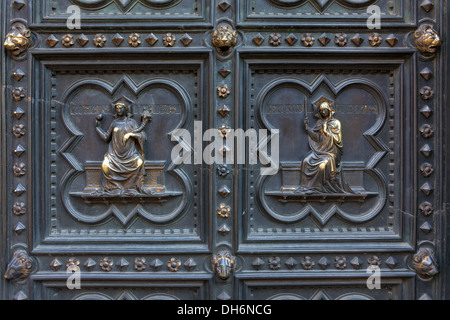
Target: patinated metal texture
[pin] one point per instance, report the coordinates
(90, 115)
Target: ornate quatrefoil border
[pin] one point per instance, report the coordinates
(77, 168)
(380, 150)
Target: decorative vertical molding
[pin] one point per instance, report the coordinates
(15, 125)
(429, 104)
(223, 77)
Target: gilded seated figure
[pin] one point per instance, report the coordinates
(123, 167)
(321, 170)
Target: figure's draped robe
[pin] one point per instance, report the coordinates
(125, 161)
(321, 169)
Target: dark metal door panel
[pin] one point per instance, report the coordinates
(222, 231)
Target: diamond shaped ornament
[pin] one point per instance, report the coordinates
(117, 40)
(90, 264)
(18, 74)
(224, 5)
(258, 263)
(321, 4)
(19, 150)
(20, 296)
(18, 4)
(125, 5)
(357, 40)
(186, 40)
(427, 189)
(223, 297)
(426, 111)
(55, 265)
(190, 265)
(224, 111)
(258, 40)
(156, 264)
(291, 263)
(152, 39)
(391, 262)
(123, 264)
(224, 230)
(426, 228)
(82, 40)
(19, 228)
(356, 263)
(426, 150)
(19, 190)
(392, 40)
(18, 113)
(426, 73)
(324, 263)
(291, 39)
(427, 5)
(324, 39)
(224, 72)
(52, 41)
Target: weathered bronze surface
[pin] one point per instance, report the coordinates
(92, 118)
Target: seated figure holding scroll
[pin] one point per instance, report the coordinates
(321, 170)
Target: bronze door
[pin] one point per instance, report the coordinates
(99, 97)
